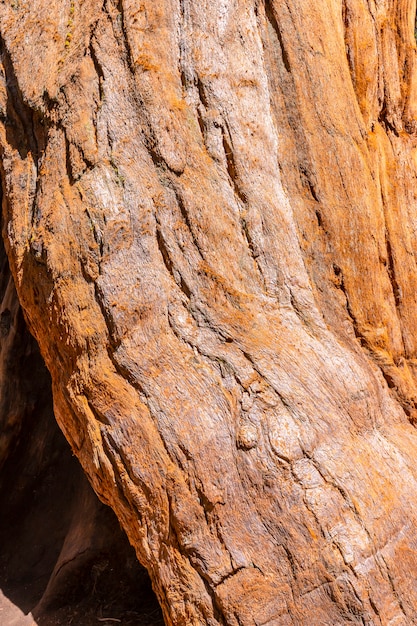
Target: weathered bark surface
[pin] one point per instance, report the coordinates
(210, 214)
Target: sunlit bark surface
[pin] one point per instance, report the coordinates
(210, 213)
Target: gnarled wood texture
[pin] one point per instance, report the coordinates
(210, 214)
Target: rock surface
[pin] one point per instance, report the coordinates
(210, 215)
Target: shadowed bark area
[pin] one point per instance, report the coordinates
(210, 216)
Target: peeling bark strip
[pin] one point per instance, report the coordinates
(210, 216)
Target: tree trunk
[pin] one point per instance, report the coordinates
(210, 212)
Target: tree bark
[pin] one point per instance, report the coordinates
(210, 215)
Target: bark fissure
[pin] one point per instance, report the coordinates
(394, 590)
(269, 12)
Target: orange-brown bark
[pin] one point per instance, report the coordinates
(210, 216)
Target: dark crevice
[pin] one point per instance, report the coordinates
(204, 105)
(184, 288)
(385, 121)
(307, 181)
(99, 415)
(97, 66)
(394, 590)
(185, 68)
(179, 280)
(185, 81)
(129, 55)
(202, 126)
(164, 252)
(233, 573)
(270, 15)
(396, 289)
(346, 20)
(341, 285)
(68, 167)
(123, 32)
(390, 380)
(217, 611)
(231, 167)
(206, 504)
(202, 94)
(186, 218)
(151, 144)
(155, 155)
(291, 561)
(374, 606)
(107, 316)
